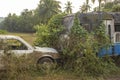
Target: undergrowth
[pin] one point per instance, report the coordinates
(79, 55)
(80, 48)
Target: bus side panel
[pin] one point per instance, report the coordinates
(106, 52)
(116, 49)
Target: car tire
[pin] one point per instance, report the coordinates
(45, 64)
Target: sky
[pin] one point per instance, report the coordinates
(17, 6)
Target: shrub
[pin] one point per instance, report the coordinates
(48, 35)
(80, 55)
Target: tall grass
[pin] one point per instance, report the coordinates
(17, 68)
(24, 68)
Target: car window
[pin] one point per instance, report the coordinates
(117, 38)
(15, 45)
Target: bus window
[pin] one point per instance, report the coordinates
(117, 37)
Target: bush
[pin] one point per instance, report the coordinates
(80, 55)
(48, 35)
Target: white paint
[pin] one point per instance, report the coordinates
(111, 23)
(45, 50)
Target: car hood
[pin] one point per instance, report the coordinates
(45, 49)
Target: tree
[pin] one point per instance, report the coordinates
(93, 1)
(116, 8)
(111, 6)
(10, 22)
(23, 23)
(85, 8)
(48, 34)
(26, 21)
(87, 1)
(116, 1)
(99, 1)
(108, 7)
(46, 9)
(68, 8)
(29, 18)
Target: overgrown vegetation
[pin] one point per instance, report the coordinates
(17, 68)
(20, 67)
(79, 49)
(80, 55)
(116, 8)
(110, 7)
(48, 35)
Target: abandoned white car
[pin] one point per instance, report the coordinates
(18, 46)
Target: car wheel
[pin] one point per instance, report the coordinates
(45, 64)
